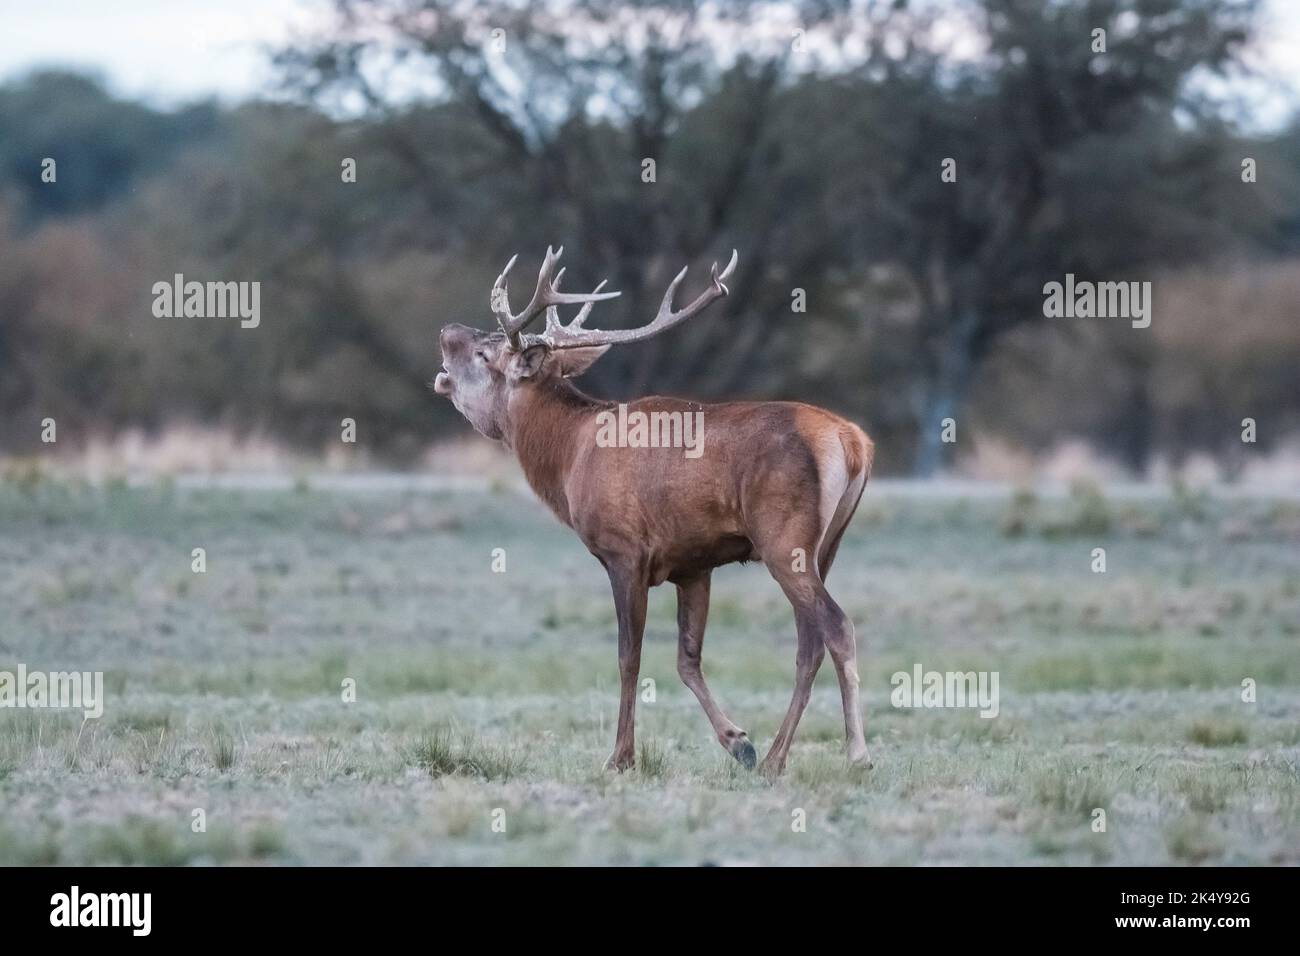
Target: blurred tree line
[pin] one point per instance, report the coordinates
(809, 135)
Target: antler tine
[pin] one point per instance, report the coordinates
(545, 297)
(553, 312)
(553, 323)
(586, 308)
(553, 317)
(574, 335)
(499, 299)
(726, 273)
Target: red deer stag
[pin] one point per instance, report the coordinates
(776, 482)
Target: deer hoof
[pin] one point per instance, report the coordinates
(744, 752)
(618, 762)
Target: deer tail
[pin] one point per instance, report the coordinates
(859, 450)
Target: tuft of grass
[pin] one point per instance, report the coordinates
(1204, 793)
(998, 730)
(442, 754)
(143, 721)
(1020, 513)
(1091, 510)
(1283, 519)
(265, 840)
(137, 841)
(25, 474)
(437, 753)
(1049, 843)
(1192, 839)
(157, 755)
(1217, 732)
(824, 768)
(1089, 513)
(24, 848)
(1071, 790)
(652, 760)
(1189, 503)
(223, 750)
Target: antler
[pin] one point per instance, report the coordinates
(545, 297)
(573, 335)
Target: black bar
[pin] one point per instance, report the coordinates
(216, 906)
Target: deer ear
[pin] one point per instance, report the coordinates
(527, 363)
(573, 362)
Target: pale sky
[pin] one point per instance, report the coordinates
(169, 52)
(164, 51)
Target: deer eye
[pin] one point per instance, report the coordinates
(481, 356)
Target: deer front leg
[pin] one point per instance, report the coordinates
(692, 614)
(629, 604)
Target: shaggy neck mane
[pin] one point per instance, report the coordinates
(549, 417)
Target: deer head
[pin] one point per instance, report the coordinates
(482, 370)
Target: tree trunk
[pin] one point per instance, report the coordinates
(942, 395)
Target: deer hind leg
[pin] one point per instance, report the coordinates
(837, 633)
(692, 615)
(822, 626)
(798, 584)
(630, 605)
(808, 658)
(837, 628)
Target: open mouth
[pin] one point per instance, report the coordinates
(442, 383)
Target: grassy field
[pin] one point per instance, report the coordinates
(487, 697)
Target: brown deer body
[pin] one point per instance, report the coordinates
(776, 482)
